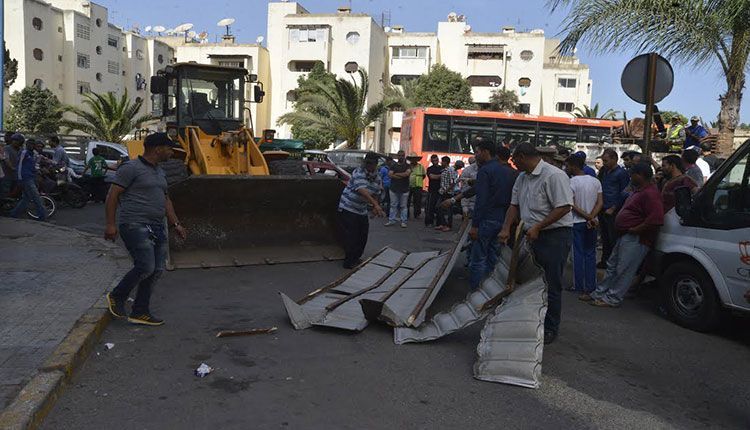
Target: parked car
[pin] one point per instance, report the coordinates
(350, 159)
(315, 167)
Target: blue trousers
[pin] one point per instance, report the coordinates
(551, 251)
(584, 257)
(30, 195)
(622, 267)
(483, 256)
(147, 245)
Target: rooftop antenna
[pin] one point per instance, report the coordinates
(184, 28)
(259, 40)
(385, 18)
(159, 29)
(147, 29)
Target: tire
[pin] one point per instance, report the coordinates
(75, 196)
(288, 167)
(690, 297)
(49, 204)
(6, 205)
(175, 171)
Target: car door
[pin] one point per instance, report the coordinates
(724, 230)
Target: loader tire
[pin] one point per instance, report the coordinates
(174, 170)
(288, 167)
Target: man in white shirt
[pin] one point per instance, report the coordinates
(587, 203)
(542, 199)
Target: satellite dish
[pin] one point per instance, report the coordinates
(147, 29)
(159, 29)
(259, 40)
(467, 28)
(225, 22)
(387, 29)
(452, 17)
(203, 35)
(183, 28)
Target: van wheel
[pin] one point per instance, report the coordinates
(690, 297)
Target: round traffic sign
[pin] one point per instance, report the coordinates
(634, 78)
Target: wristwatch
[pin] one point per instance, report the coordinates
(453, 200)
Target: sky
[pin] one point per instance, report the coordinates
(695, 92)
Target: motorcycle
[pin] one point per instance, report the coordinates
(55, 182)
(11, 200)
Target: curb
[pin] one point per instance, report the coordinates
(37, 398)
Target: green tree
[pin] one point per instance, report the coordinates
(443, 88)
(106, 117)
(593, 112)
(10, 66)
(693, 32)
(503, 100)
(667, 116)
(401, 99)
(312, 136)
(342, 108)
(34, 110)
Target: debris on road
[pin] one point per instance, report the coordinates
(251, 332)
(203, 370)
(109, 346)
(392, 286)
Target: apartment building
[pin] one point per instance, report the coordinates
(70, 48)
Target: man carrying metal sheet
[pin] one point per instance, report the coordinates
(542, 199)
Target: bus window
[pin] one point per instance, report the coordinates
(435, 134)
(465, 134)
(557, 136)
(511, 135)
(595, 135)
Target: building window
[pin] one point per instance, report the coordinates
(98, 22)
(527, 55)
(238, 64)
(160, 59)
(99, 50)
(307, 34)
(524, 82)
(565, 107)
(36, 23)
(523, 108)
(60, 86)
(113, 67)
(99, 77)
(484, 81)
(352, 37)
(409, 52)
(302, 66)
(83, 87)
(486, 52)
(39, 83)
(83, 31)
(113, 41)
(351, 67)
(38, 54)
(59, 58)
(566, 82)
(588, 88)
(83, 61)
(138, 100)
(59, 29)
(291, 96)
(400, 79)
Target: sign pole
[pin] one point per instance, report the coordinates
(650, 88)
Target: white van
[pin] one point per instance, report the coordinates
(703, 250)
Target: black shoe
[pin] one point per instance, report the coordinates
(601, 265)
(145, 319)
(549, 337)
(117, 309)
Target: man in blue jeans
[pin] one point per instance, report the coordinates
(494, 186)
(140, 189)
(542, 199)
(26, 171)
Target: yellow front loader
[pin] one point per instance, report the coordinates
(236, 213)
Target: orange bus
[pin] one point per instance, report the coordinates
(453, 132)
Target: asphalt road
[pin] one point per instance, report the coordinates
(610, 368)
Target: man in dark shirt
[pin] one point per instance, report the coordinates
(710, 158)
(433, 189)
(674, 176)
(614, 181)
(399, 190)
(638, 224)
(494, 187)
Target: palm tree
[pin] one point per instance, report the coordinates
(593, 112)
(107, 118)
(403, 98)
(694, 32)
(341, 108)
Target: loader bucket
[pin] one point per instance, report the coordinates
(248, 220)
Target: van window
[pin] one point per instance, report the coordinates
(109, 153)
(729, 203)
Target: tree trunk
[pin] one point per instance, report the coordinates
(729, 117)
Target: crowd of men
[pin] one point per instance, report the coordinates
(562, 203)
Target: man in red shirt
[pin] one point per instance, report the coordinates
(674, 175)
(637, 223)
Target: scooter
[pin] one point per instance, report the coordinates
(55, 183)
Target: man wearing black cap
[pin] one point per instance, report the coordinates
(140, 190)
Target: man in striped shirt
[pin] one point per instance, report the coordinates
(362, 193)
(448, 179)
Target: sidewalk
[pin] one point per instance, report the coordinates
(49, 277)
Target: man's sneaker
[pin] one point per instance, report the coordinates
(389, 223)
(117, 309)
(145, 319)
(403, 225)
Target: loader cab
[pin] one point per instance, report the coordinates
(210, 97)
